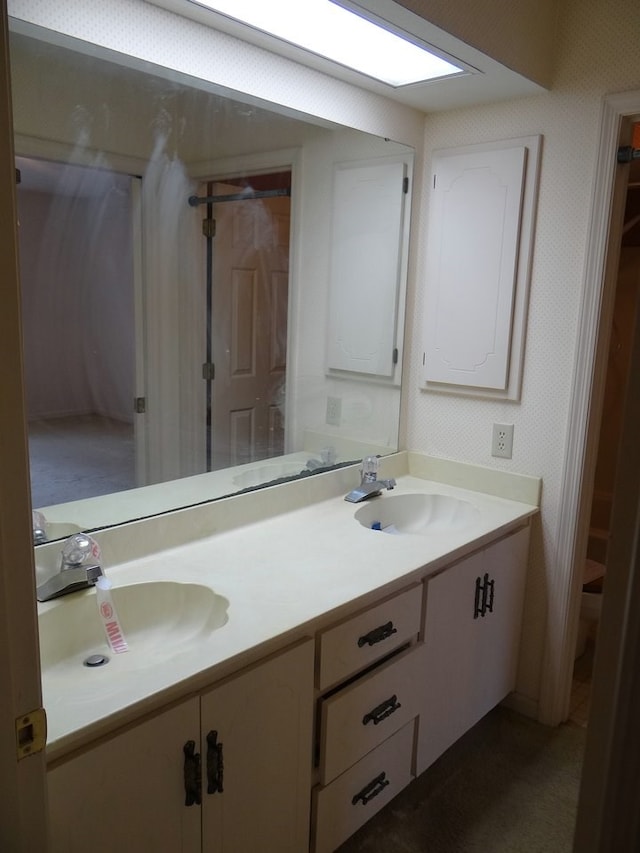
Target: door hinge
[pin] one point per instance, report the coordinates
(140, 405)
(208, 228)
(209, 371)
(394, 357)
(31, 733)
(405, 185)
(626, 153)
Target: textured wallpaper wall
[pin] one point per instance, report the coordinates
(597, 54)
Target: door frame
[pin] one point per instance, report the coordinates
(23, 822)
(274, 161)
(567, 559)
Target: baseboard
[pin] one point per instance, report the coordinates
(522, 704)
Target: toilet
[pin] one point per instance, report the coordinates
(591, 604)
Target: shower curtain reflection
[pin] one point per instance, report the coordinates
(78, 328)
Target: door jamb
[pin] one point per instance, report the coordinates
(584, 416)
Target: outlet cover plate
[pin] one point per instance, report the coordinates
(502, 441)
(334, 411)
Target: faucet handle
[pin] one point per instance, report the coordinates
(369, 469)
(39, 526)
(78, 550)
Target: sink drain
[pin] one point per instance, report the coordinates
(96, 660)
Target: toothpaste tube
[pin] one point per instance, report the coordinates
(108, 614)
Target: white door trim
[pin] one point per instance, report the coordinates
(139, 419)
(22, 781)
(584, 419)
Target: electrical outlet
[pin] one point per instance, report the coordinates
(502, 441)
(334, 410)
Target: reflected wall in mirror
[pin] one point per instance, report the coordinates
(178, 351)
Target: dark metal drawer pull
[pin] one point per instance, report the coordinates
(191, 770)
(382, 711)
(375, 787)
(377, 635)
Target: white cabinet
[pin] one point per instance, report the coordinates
(127, 792)
(366, 724)
(356, 643)
(263, 721)
(353, 798)
(240, 768)
(478, 261)
(130, 791)
(471, 638)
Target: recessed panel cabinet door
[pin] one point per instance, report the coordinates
(127, 793)
(256, 757)
(471, 638)
(472, 262)
(366, 267)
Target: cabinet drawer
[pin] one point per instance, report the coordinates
(362, 715)
(353, 798)
(369, 636)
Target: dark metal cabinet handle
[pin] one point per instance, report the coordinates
(489, 604)
(483, 602)
(382, 711)
(375, 787)
(377, 635)
(477, 609)
(215, 764)
(192, 778)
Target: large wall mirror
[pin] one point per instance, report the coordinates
(206, 304)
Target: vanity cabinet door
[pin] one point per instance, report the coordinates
(472, 637)
(127, 792)
(257, 757)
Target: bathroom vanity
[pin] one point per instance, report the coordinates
(341, 661)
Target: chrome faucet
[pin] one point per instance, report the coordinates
(370, 486)
(79, 568)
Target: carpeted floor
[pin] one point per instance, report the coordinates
(510, 785)
(79, 457)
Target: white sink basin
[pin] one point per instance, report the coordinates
(160, 619)
(416, 513)
(267, 473)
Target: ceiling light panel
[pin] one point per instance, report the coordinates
(340, 35)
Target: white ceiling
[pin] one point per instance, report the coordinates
(486, 80)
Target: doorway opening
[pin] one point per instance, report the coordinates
(247, 235)
(76, 269)
(626, 302)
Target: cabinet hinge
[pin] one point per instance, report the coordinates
(405, 185)
(208, 228)
(140, 405)
(209, 371)
(31, 733)
(394, 356)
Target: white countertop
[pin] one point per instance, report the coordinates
(284, 577)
